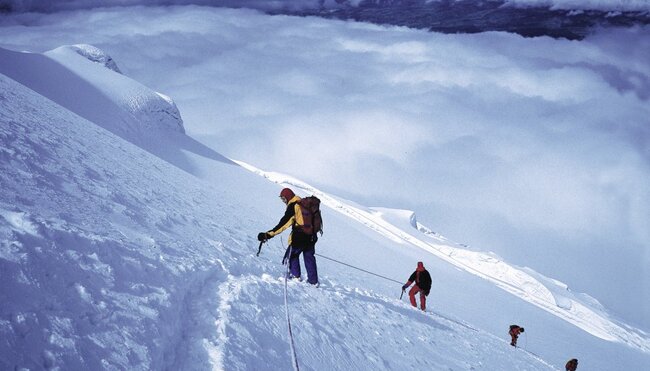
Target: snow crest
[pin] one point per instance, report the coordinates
(96, 55)
(151, 111)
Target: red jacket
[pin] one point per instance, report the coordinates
(572, 365)
(515, 330)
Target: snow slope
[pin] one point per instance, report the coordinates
(84, 80)
(115, 258)
(112, 258)
(551, 295)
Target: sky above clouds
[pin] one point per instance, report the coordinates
(59, 5)
(537, 149)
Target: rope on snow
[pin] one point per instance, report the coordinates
(286, 310)
(363, 270)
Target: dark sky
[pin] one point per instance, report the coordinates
(53, 6)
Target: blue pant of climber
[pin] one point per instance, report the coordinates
(310, 263)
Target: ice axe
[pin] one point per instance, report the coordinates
(259, 249)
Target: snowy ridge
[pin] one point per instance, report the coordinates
(78, 79)
(95, 55)
(151, 110)
(547, 294)
(93, 91)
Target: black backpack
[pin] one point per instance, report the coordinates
(311, 215)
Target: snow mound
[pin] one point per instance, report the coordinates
(96, 55)
(99, 94)
(397, 216)
(150, 110)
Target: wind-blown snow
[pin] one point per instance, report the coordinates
(96, 55)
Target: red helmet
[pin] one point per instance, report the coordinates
(287, 194)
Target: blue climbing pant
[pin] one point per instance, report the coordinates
(308, 256)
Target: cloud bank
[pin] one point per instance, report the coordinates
(537, 149)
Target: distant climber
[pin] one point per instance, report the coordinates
(299, 241)
(422, 280)
(514, 334)
(572, 365)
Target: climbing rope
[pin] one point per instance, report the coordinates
(295, 365)
(363, 270)
(286, 310)
(525, 340)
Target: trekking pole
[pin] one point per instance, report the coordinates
(259, 249)
(402, 294)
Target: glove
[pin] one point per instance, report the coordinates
(263, 236)
(426, 293)
(405, 287)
